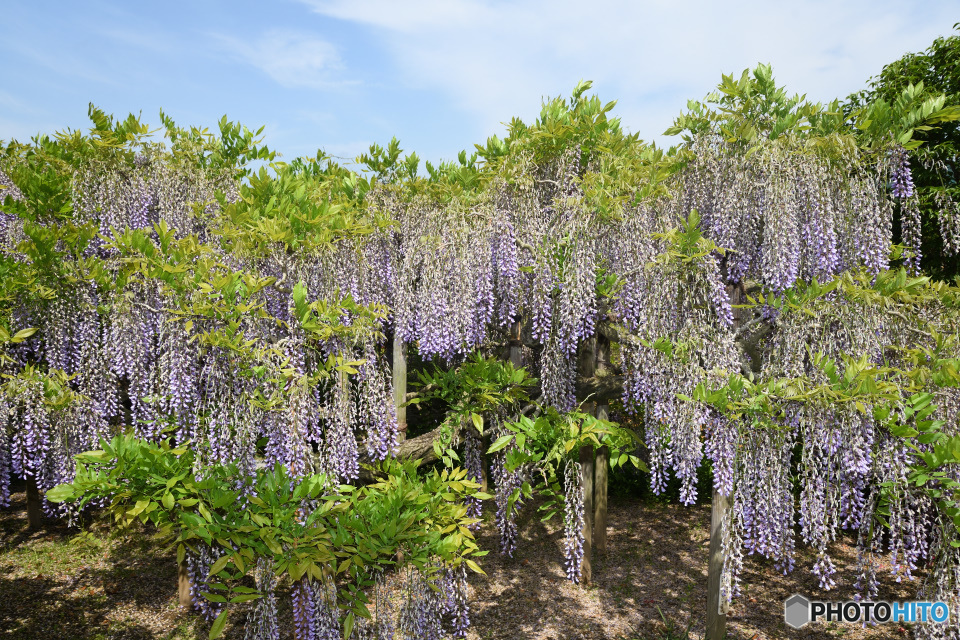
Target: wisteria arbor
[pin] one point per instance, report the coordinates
(736, 292)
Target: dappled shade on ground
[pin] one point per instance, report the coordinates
(63, 583)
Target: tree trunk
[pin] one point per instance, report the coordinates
(183, 586)
(400, 384)
(716, 609)
(34, 505)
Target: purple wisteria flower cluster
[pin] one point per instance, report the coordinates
(473, 463)
(262, 620)
(573, 518)
(198, 567)
(421, 611)
(507, 482)
(315, 612)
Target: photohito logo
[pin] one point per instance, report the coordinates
(798, 611)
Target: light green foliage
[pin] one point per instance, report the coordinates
(306, 527)
(479, 387)
(547, 442)
(899, 394)
(482, 391)
(753, 108)
(291, 211)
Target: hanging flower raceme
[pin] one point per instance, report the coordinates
(376, 410)
(573, 518)
(198, 568)
(262, 619)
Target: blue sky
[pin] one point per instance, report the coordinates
(440, 75)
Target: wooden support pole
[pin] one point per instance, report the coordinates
(183, 586)
(586, 471)
(516, 345)
(600, 498)
(400, 384)
(716, 608)
(719, 513)
(603, 458)
(34, 505)
(586, 368)
(485, 485)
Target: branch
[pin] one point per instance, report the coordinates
(600, 387)
(747, 327)
(172, 312)
(897, 314)
(419, 449)
(416, 394)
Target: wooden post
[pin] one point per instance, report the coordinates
(586, 471)
(586, 368)
(183, 586)
(34, 505)
(484, 473)
(600, 497)
(716, 609)
(400, 384)
(603, 459)
(719, 513)
(516, 345)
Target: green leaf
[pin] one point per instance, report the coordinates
(218, 625)
(246, 597)
(474, 566)
(501, 442)
(167, 501)
(245, 590)
(60, 493)
(23, 334)
(348, 626)
(213, 597)
(903, 431)
(219, 565)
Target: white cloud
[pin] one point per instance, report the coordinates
(155, 41)
(291, 58)
(13, 103)
(407, 17)
(498, 59)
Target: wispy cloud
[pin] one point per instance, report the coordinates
(498, 59)
(439, 74)
(155, 42)
(11, 102)
(56, 62)
(291, 58)
(407, 17)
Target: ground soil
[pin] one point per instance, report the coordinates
(65, 583)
